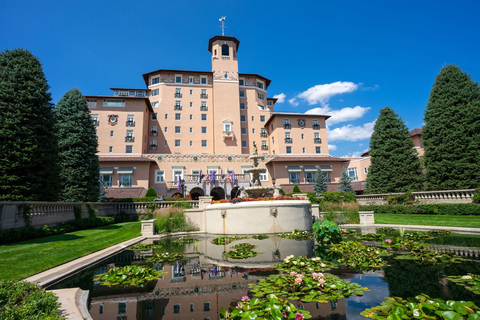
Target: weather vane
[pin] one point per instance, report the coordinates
(223, 25)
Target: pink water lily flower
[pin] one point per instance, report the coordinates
(245, 298)
(321, 282)
(293, 273)
(388, 241)
(298, 316)
(298, 280)
(284, 314)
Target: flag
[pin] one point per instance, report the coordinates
(212, 176)
(233, 176)
(179, 182)
(200, 176)
(223, 176)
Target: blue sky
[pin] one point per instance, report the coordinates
(355, 56)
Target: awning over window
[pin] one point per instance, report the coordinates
(125, 170)
(310, 169)
(106, 170)
(326, 168)
(294, 169)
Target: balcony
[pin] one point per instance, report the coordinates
(153, 147)
(203, 108)
(264, 147)
(177, 107)
(263, 134)
(228, 135)
(316, 127)
(288, 140)
(130, 123)
(129, 139)
(317, 140)
(287, 126)
(153, 133)
(178, 94)
(203, 96)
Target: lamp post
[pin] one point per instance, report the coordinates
(273, 181)
(182, 185)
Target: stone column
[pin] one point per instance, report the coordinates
(204, 201)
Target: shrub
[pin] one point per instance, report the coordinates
(334, 197)
(437, 208)
(172, 220)
(296, 189)
(282, 192)
(77, 211)
(406, 198)
(341, 213)
(151, 193)
(91, 210)
(476, 196)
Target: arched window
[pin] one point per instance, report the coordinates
(225, 50)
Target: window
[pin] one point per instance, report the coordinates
(191, 129)
(203, 80)
(153, 131)
(114, 103)
(203, 106)
(225, 50)
(288, 138)
(264, 175)
(155, 104)
(241, 82)
(110, 149)
(100, 309)
(163, 309)
(155, 80)
(204, 143)
(243, 118)
(260, 107)
(190, 80)
(191, 143)
(263, 132)
(262, 118)
(177, 143)
(153, 144)
(178, 92)
(155, 93)
(178, 129)
(253, 131)
(130, 120)
(227, 127)
(253, 118)
(191, 304)
(95, 119)
(106, 180)
(191, 104)
(128, 149)
(260, 85)
(176, 308)
(129, 137)
(178, 105)
(293, 177)
(243, 131)
(244, 143)
(92, 103)
(149, 309)
(204, 130)
(111, 133)
(122, 318)
(269, 103)
(261, 96)
(303, 150)
(178, 79)
(318, 150)
(154, 116)
(165, 143)
(125, 181)
(286, 124)
(203, 95)
(159, 176)
(191, 117)
(204, 117)
(166, 116)
(309, 177)
(352, 173)
(242, 106)
(165, 129)
(289, 150)
(206, 306)
(242, 94)
(365, 170)
(178, 116)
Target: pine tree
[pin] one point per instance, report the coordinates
(77, 143)
(345, 183)
(451, 132)
(395, 166)
(28, 145)
(320, 182)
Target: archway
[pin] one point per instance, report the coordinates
(234, 193)
(196, 192)
(217, 193)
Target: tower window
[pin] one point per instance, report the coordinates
(225, 50)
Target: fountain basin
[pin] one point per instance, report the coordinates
(257, 217)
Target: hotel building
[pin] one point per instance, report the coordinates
(192, 132)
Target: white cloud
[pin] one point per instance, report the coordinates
(332, 147)
(280, 97)
(354, 154)
(322, 93)
(293, 102)
(342, 115)
(351, 133)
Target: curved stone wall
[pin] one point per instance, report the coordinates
(258, 217)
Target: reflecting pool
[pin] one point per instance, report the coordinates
(206, 280)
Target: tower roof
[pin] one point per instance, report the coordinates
(212, 40)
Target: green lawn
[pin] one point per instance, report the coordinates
(23, 259)
(428, 220)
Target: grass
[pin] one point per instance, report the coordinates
(428, 220)
(24, 259)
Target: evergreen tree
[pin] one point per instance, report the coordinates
(77, 143)
(451, 132)
(320, 182)
(395, 166)
(345, 183)
(28, 145)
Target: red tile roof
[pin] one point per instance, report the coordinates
(124, 159)
(119, 193)
(416, 132)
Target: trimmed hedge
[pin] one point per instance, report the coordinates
(150, 199)
(29, 232)
(437, 208)
(333, 197)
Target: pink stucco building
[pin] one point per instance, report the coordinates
(197, 129)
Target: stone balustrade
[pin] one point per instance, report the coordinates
(424, 197)
(52, 213)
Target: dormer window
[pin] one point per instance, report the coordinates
(225, 50)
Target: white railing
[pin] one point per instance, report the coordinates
(425, 197)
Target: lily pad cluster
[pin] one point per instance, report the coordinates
(183, 240)
(166, 257)
(439, 232)
(399, 244)
(297, 234)
(141, 247)
(416, 236)
(359, 257)
(470, 282)
(431, 257)
(269, 308)
(128, 276)
(308, 287)
(226, 240)
(385, 230)
(373, 236)
(242, 251)
(423, 307)
(260, 236)
(303, 264)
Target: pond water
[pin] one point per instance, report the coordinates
(206, 281)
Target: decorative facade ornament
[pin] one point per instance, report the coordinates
(274, 211)
(224, 213)
(301, 123)
(112, 119)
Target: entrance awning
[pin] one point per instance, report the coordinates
(106, 170)
(125, 170)
(294, 169)
(326, 168)
(310, 169)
